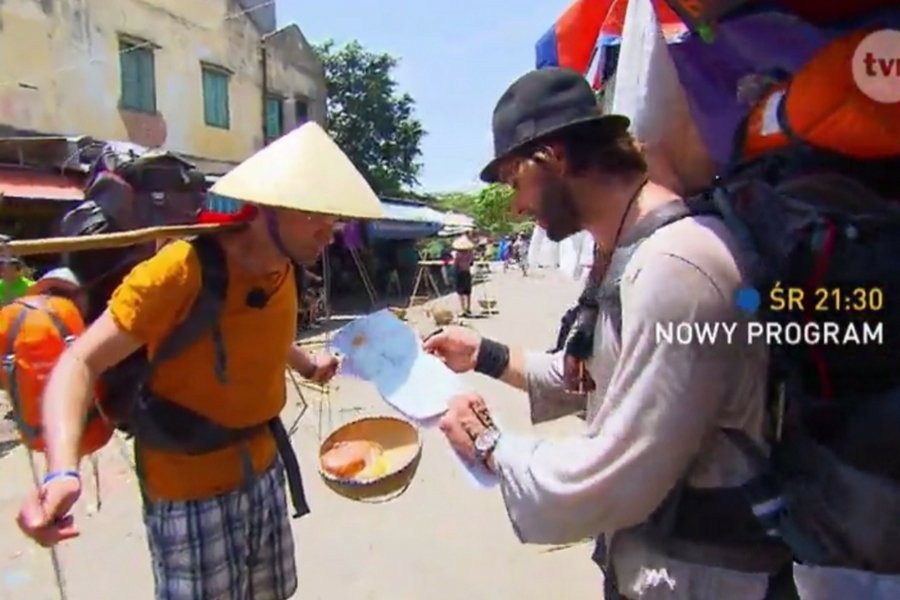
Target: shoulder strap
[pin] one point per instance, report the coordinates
(204, 314)
(608, 293)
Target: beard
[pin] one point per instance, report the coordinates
(557, 211)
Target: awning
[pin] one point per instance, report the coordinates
(410, 212)
(453, 219)
(405, 220)
(39, 185)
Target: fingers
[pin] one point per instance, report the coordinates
(434, 340)
(34, 522)
(31, 516)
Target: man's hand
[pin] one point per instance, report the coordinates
(578, 379)
(323, 368)
(456, 346)
(466, 417)
(44, 516)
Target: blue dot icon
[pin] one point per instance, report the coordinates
(747, 299)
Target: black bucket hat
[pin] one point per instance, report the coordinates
(540, 103)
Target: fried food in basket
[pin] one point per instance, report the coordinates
(351, 458)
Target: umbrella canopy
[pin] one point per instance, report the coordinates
(588, 25)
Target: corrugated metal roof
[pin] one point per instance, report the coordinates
(39, 185)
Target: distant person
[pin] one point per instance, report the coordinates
(446, 257)
(520, 249)
(463, 257)
(14, 283)
(503, 249)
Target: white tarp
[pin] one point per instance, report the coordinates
(573, 256)
(647, 90)
(541, 251)
(576, 252)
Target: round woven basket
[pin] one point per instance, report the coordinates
(402, 446)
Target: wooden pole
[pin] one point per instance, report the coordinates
(118, 239)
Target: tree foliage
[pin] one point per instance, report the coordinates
(490, 207)
(372, 122)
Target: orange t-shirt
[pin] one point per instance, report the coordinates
(156, 296)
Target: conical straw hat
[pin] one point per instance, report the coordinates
(303, 170)
(462, 243)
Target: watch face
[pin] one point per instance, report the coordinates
(486, 440)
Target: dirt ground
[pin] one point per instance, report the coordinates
(442, 539)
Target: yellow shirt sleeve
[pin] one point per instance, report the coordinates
(157, 293)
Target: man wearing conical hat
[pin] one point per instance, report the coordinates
(216, 518)
(463, 257)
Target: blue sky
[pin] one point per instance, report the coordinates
(456, 57)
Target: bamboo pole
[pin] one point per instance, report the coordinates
(117, 239)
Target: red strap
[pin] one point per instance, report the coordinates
(817, 277)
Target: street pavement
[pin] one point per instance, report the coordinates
(442, 539)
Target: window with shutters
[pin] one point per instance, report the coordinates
(274, 117)
(138, 73)
(301, 110)
(216, 110)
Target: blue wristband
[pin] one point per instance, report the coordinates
(57, 474)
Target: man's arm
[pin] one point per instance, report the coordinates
(141, 311)
(660, 406)
(70, 389)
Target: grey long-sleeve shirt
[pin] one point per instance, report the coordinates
(655, 416)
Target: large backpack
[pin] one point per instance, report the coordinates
(128, 190)
(818, 229)
(828, 491)
(34, 332)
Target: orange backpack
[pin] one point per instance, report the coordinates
(823, 107)
(34, 332)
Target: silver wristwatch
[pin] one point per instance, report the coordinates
(485, 442)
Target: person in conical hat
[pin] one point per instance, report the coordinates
(463, 243)
(212, 451)
(463, 257)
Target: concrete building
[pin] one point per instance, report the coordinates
(210, 79)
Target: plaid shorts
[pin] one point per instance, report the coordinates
(236, 546)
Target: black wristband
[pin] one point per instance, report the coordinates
(493, 358)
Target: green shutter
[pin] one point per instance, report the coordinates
(215, 98)
(130, 80)
(274, 117)
(138, 73)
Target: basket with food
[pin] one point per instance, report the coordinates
(487, 304)
(372, 451)
(442, 316)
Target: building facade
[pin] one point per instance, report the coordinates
(211, 79)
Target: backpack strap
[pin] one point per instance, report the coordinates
(9, 364)
(681, 525)
(205, 313)
(609, 299)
